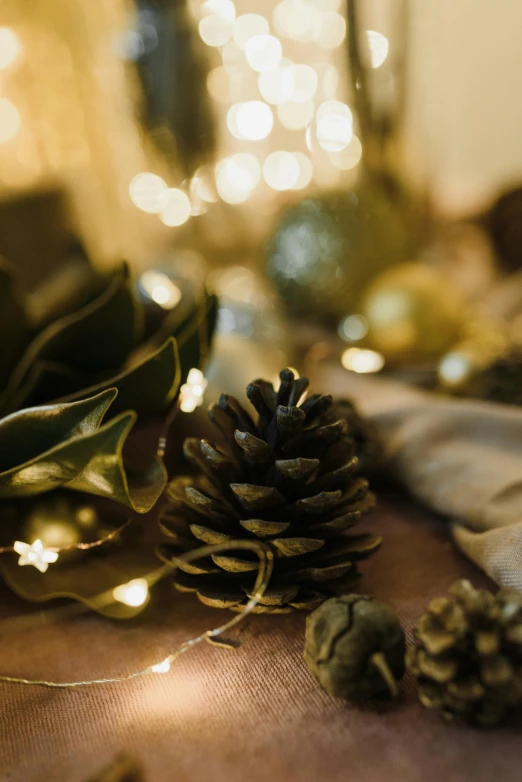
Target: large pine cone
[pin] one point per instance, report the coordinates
(469, 659)
(290, 480)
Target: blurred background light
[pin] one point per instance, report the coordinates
(349, 157)
(175, 207)
(277, 86)
(305, 83)
(306, 171)
(281, 170)
(215, 30)
(160, 289)
(223, 8)
(236, 177)
(263, 52)
(247, 26)
(296, 116)
(252, 120)
(145, 191)
(332, 30)
(353, 328)
(297, 19)
(10, 47)
(379, 47)
(362, 361)
(334, 125)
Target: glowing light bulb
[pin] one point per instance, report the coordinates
(10, 121)
(215, 30)
(281, 170)
(175, 207)
(276, 86)
(332, 30)
(263, 52)
(162, 667)
(236, 177)
(379, 47)
(296, 116)
(305, 83)
(35, 554)
(134, 594)
(306, 171)
(253, 119)
(334, 125)
(161, 289)
(362, 361)
(247, 26)
(10, 47)
(145, 191)
(348, 157)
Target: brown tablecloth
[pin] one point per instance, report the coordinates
(252, 714)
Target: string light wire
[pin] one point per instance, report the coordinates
(264, 573)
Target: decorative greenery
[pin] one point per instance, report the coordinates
(290, 479)
(354, 647)
(468, 660)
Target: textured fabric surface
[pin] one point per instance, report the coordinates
(252, 714)
(460, 457)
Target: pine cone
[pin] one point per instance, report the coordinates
(469, 661)
(290, 480)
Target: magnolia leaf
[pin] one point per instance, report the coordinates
(65, 444)
(147, 387)
(94, 339)
(88, 576)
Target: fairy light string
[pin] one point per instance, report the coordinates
(264, 573)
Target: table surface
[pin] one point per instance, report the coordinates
(250, 714)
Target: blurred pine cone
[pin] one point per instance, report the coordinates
(469, 659)
(291, 480)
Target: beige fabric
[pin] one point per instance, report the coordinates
(460, 457)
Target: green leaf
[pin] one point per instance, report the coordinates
(147, 387)
(96, 338)
(50, 446)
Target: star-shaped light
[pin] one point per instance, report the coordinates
(35, 554)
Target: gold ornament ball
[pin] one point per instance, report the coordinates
(412, 312)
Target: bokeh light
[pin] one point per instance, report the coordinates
(145, 190)
(348, 157)
(135, 593)
(353, 328)
(247, 26)
(281, 170)
(362, 361)
(332, 30)
(263, 52)
(10, 47)
(10, 121)
(297, 19)
(379, 47)
(252, 120)
(306, 171)
(334, 125)
(276, 86)
(236, 176)
(222, 8)
(215, 30)
(296, 116)
(305, 82)
(175, 207)
(160, 289)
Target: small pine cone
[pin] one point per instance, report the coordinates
(291, 480)
(468, 661)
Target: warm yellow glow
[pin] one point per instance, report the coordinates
(145, 191)
(236, 177)
(9, 120)
(454, 369)
(353, 328)
(306, 170)
(247, 26)
(348, 157)
(276, 86)
(252, 120)
(223, 8)
(215, 30)
(296, 116)
(276, 380)
(191, 393)
(218, 84)
(161, 289)
(379, 47)
(362, 361)
(328, 76)
(10, 47)
(135, 593)
(263, 52)
(175, 207)
(334, 125)
(332, 30)
(35, 554)
(305, 83)
(162, 667)
(281, 170)
(202, 185)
